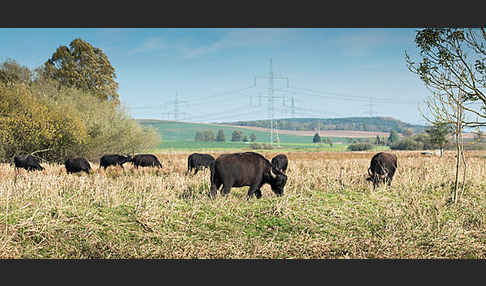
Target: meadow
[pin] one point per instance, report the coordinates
(328, 210)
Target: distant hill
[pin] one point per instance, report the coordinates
(376, 124)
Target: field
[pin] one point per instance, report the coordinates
(179, 136)
(328, 211)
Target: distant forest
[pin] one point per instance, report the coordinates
(380, 124)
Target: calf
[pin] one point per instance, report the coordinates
(28, 162)
(77, 165)
(382, 168)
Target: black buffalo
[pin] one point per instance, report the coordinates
(245, 169)
(77, 165)
(28, 162)
(382, 168)
(145, 160)
(280, 161)
(197, 161)
(113, 160)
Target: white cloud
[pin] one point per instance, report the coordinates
(150, 45)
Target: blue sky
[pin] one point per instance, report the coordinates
(332, 72)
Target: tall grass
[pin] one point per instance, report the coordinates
(328, 211)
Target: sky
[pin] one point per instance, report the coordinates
(223, 74)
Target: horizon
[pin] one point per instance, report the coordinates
(221, 74)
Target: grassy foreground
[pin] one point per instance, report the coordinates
(328, 211)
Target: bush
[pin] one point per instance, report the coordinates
(257, 146)
(360, 147)
(66, 121)
(407, 144)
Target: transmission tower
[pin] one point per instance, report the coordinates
(176, 111)
(271, 99)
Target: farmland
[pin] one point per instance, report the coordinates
(179, 136)
(328, 210)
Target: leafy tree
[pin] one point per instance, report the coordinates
(438, 135)
(317, 138)
(220, 137)
(253, 137)
(11, 72)
(84, 67)
(407, 132)
(199, 136)
(236, 136)
(245, 138)
(452, 64)
(393, 138)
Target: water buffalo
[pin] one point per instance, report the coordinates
(245, 169)
(145, 160)
(198, 161)
(280, 161)
(113, 160)
(382, 168)
(77, 165)
(28, 162)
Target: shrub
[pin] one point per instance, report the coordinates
(360, 147)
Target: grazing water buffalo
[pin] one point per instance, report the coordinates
(145, 160)
(198, 161)
(28, 162)
(281, 162)
(77, 165)
(245, 169)
(382, 168)
(113, 160)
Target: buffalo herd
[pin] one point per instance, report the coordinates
(228, 170)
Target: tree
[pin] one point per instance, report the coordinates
(220, 137)
(245, 138)
(407, 132)
(393, 138)
(438, 135)
(253, 137)
(316, 139)
(11, 72)
(236, 136)
(452, 64)
(85, 67)
(199, 136)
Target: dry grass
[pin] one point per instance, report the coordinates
(328, 211)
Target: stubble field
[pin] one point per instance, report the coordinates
(328, 210)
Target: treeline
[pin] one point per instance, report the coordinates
(236, 136)
(67, 107)
(379, 124)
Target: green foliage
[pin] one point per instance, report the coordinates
(12, 73)
(261, 146)
(205, 136)
(438, 134)
(381, 124)
(220, 137)
(245, 138)
(316, 139)
(84, 67)
(360, 147)
(393, 138)
(28, 124)
(253, 137)
(67, 122)
(236, 136)
(407, 144)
